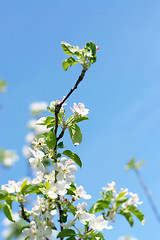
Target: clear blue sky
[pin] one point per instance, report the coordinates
(122, 90)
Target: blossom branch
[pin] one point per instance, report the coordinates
(148, 195)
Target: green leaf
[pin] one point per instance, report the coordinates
(107, 195)
(46, 121)
(7, 209)
(139, 164)
(51, 139)
(75, 134)
(68, 62)
(121, 194)
(79, 118)
(2, 85)
(61, 145)
(130, 164)
(73, 156)
(100, 205)
(3, 195)
(69, 49)
(92, 46)
(35, 188)
(66, 233)
(127, 215)
(137, 213)
(121, 200)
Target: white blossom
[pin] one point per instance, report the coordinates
(65, 169)
(81, 193)
(12, 186)
(98, 223)
(9, 158)
(38, 107)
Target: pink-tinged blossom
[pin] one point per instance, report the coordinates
(111, 187)
(12, 186)
(80, 109)
(134, 200)
(81, 193)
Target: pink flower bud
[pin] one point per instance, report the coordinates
(97, 48)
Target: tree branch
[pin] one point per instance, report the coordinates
(148, 195)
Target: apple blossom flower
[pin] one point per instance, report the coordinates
(57, 188)
(81, 193)
(80, 109)
(111, 187)
(39, 177)
(82, 214)
(65, 169)
(36, 160)
(98, 223)
(12, 187)
(134, 200)
(9, 157)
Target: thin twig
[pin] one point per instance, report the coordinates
(25, 217)
(57, 109)
(148, 195)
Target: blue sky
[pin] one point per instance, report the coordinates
(122, 90)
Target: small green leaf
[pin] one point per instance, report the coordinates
(69, 49)
(24, 186)
(73, 156)
(121, 200)
(79, 118)
(137, 213)
(127, 215)
(68, 62)
(7, 209)
(51, 139)
(35, 188)
(121, 194)
(139, 164)
(107, 195)
(130, 164)
(75, 134)
(3, 195)
(2, 85)
(100, 205)
(66, 233)
(61, 145)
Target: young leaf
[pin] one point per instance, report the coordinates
(79, 118)
(68, 62)
(3, 194)
(51, 139)
(7, 209)
(130, 164)
(66, 233)
(120, 201)
(35, 188)
(127, 215)
(69, 49)
(75, 134)
(100, 205)
(137, 213)
(73, 156)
